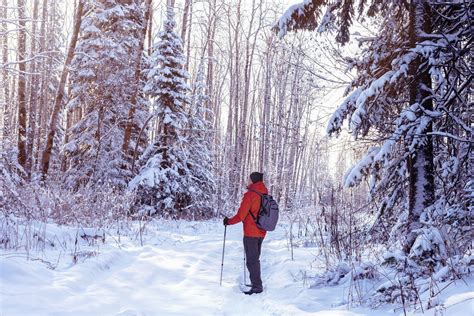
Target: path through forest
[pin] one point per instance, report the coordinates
(176, 272)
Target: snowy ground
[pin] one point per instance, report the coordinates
(177, 272)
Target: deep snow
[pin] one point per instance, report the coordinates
(176, 272)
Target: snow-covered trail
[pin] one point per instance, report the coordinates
(176, 272)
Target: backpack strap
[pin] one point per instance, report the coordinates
(254, 218)
(261, 196)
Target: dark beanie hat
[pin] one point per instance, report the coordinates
(256, 177)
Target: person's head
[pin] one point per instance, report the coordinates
(255, 177)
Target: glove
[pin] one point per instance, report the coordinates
(226, 221)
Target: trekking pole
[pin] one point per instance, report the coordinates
(245, 277)
(223, 249)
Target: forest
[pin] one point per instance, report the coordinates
(125, 123)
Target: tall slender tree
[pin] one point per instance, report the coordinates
(33, 96)
(7, 107)
(21, 56)
(163, 182)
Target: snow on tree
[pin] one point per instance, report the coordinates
(164, 183)
(410, 99)
(101, 73)
(12, 176)
(201, 152)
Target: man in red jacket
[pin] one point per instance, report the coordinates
(253, 236)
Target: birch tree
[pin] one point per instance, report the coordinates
(21, 56)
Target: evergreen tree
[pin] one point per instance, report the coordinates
(164, 182)
(101, 73)
(201, 154)
(409, 99)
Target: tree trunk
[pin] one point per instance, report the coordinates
(13, 121)
(184, 27)
(211, 31)
(188, 47)
(267, 90)
(43, 86)
(237, 137)
(420, 164)
(6, 82)
(249, 55)
(33, 95)
(45, 161)
(69, 115)
(21, 84)
(149, 30)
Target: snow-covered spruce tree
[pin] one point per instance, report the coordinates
(101, 75)
(201, 153)
(411, 99)
(163, 183)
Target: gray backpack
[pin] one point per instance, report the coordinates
(267, 216)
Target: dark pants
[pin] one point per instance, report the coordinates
(253, 248)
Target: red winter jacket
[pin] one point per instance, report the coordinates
(250, 203)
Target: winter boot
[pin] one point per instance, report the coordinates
(253, 290)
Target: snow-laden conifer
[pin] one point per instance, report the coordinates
(164, 181)
(101, 78)
(410, 100)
